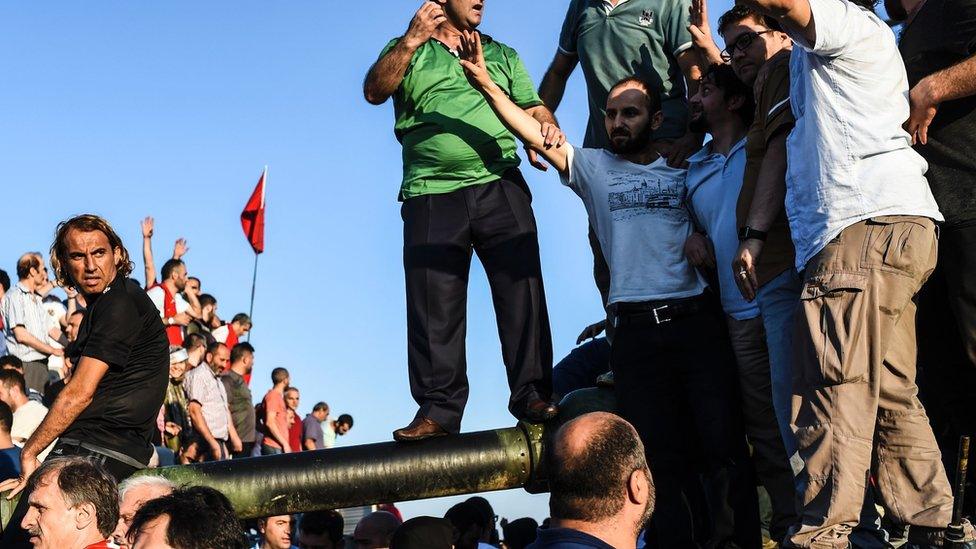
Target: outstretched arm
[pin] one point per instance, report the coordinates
(385, 76)
(794, 15)
(518, 121)
(147, 255)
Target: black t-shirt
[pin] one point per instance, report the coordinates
(942, 34)
(122, 328)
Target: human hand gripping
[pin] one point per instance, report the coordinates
(28, 464)
(424, 23)
(924, 107)
(699, 251)
(744, 267)
(553, 137)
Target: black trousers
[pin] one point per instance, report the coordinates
(947, 345)
(495, 220)
(675, 381)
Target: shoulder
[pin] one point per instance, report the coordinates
(120, 297)
(155, 291)
(498, 48)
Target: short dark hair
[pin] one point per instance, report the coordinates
(85, 223)
(520, 533)
(278, 375)
(468, 520)
(724, 78)
(82, 480)
(10, 361)
(194, 278)
(4, 280)
(327, 523)
(6, 417)
(740, 12)
(77, 312)
(345, 418)
(28, 261)
(199, 518)
(652, 91)
(170, 266)
(320, 407)
(206, 299)
(192, 341)
(212, 348)
(242, 318)
(12, 378)
(587, 484)
(240, 351)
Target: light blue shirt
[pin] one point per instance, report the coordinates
(714, 182)
(849, 158)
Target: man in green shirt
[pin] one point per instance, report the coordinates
(462, 190)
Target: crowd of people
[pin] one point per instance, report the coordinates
(787, 304)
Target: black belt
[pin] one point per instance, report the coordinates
(117, 456)
(659, 311)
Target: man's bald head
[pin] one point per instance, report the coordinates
(375, 530)
(591, 461)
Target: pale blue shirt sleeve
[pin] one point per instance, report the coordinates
(840, 28)
(580, 165)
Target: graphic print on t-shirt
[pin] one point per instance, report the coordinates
(636, 194)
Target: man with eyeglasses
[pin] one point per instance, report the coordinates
(862, 219)
(25, 321)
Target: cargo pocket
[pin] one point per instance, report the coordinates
(900, 242)
(836, 350)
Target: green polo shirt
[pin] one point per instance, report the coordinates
(636, 38)
(450, 135)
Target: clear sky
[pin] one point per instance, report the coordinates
(171, 109)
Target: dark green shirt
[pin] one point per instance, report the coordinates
(450, 135)
(239, 402)
(636, 38)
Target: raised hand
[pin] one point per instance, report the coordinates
(473, 59)
(147, 227)
(424, 23)
(180, 248)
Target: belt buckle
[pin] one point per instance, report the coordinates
(657, 318)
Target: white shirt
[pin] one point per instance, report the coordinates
(640, 217)
(26, 420)
(849, 158)
(158, 297)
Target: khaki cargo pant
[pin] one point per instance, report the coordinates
(855, 406)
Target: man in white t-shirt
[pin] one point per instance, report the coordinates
(167, 296)
(28, 414)
(863, 224)
(672, 361)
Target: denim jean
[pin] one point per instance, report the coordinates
(270, 450)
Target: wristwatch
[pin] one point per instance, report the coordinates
(170, 321)
(748, 233)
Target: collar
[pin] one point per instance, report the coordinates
(706, 151)
(609, 7)
(22, 288)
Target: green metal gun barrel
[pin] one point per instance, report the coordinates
(372, 473)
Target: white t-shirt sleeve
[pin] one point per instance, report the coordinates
(580, 167)
(26, 420)
(220, 333)
(839, 25)
(182, 305)
(157, 296)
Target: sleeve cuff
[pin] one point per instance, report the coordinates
(683, 47)
(564, 50)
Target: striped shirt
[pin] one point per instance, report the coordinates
(22, 307)
(204, 387)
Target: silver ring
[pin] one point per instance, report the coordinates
(743, 273)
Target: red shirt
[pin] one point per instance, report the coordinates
(295, 435)
(100, 545)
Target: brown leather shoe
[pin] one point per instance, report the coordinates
(419, 429)
(539, 411)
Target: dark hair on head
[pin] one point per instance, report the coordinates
(740, 12)
(484, 507)
(424, 533)
(520, 533)
(320, 407)
(278, 375)
(10, 378)
(199, 518)
(206, 299)
(292, 389)
(319, 523)
(28, 261)
(85, 223)
(724, 78)
(192, 341)
(170, 266)
(345, 418)
(77, 312)
(4, 280)
(193, 278)
(82, 480)
(241, 318)
(213, 347)
(653, 93)
(240, 351)
(587, 482)
(10, 361)
(468, 520)
(6, 417)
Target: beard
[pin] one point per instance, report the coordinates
(634, 144)
(699, 124)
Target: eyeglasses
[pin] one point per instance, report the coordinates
(742, 44)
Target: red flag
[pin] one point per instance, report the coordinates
(252, 218)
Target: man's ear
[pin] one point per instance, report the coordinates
(638, 487)
(657, 120)
(735, 102)
(84, 515)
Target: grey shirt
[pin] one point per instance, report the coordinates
(204, 387)
(312, 429)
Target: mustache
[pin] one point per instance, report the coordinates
(620, 132)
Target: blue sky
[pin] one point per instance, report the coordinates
(171, 109)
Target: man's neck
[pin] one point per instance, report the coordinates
(726, 134)
(239, 369)
(280, 388)
(16, 401)
(645, 157)
(28, 285)
(610, 532)
(449, 34)
(88, 537)
(170, 285)
(5, 441)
